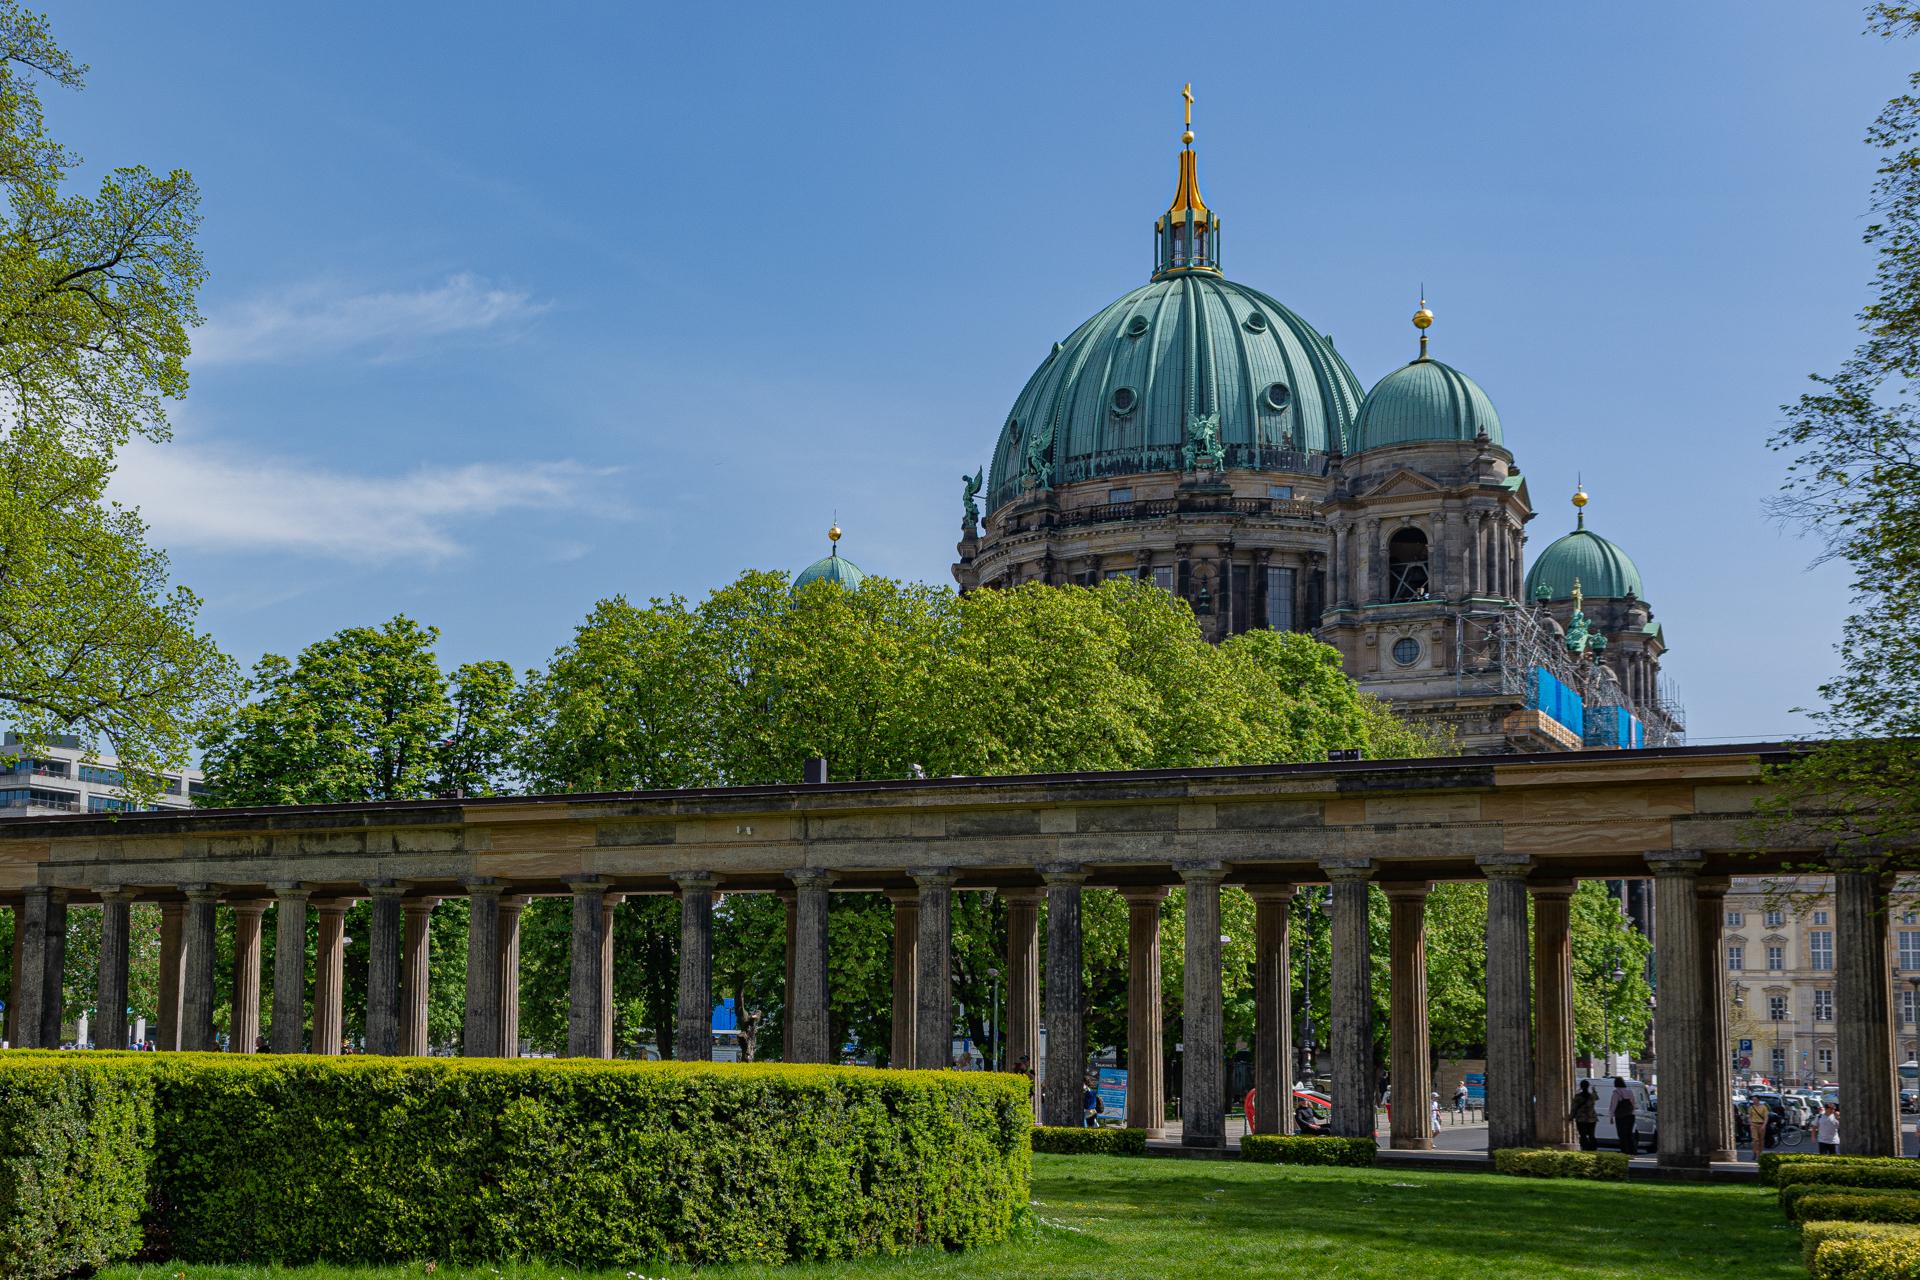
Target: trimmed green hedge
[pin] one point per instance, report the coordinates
(1062, 1141)
(1280, 1148)
(1858, 1205)
(1815, 1234)
(604, 1164)
(1841, 1171)
(73, 1182)
(1860, 1250)
(1770, 1162)
(1547, 1162)
(1794, 1192)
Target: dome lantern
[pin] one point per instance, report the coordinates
(832, 567)
(1583, 566)
(1186, 237)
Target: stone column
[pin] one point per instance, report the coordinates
(110, 1013)
(31, 929)
(196, 987)
(289, 1031)
(812, 1033)
(415, 967)
(1870, 1124)
(1411, 1123)
(329, 976)
(1680, 1015)
(13, 990)
(167, 1017)
(481, 1035)
(1203, 1085)
(607, 913)
(1341, 595)
(933, 981)
(244, 1031)
(1272, 1009)
(792, 903)
(906, 964)
(511, 905)
(1146, 1073)
(584, 1012)
(1716, 1076)
(1351, 1035)
(1023, 980)
(1509, 1017)
(693, 1036)
(1553, 1016)
(54, 997)
(383, 970)
(1066, 1065)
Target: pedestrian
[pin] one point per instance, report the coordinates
(1586, 1115)
(1433, 1111)
(1091, 1107)
(1621, 1107)
(1757, 1114)
(1826, 1130)
(1460, 1102)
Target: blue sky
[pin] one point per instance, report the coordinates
(515, 307)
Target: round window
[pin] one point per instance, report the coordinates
(1279, 396)
(1256, 323)
(1406, 651)
(1136, 326)
(1123, 400)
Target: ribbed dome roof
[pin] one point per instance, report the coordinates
(831, 568)
(1421, 402)
(1116, 397)
(1604, 570)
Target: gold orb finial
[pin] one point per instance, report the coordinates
(833, 534)
(1579, 496)
(1187, 137)
(1423, 318)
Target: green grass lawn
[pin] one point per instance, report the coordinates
(1101, 1216)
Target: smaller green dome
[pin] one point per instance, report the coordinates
(831, 568)
(1604, 570)
(1424, 401)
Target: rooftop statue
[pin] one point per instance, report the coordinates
(1203, 443)
(970, 489)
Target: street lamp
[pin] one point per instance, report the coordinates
(1306, 1013)
(1614, 977)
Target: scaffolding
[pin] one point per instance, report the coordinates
(1502, 650)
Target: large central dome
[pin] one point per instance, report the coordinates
(1117, 397)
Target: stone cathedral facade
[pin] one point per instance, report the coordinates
(1199, 434)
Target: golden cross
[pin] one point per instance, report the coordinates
(1187, 93)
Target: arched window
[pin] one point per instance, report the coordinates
(1407, 565)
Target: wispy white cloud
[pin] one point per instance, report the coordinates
(225, 499)
(324, 319)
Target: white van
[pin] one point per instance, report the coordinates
(1645, 1125)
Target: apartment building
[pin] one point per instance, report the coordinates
(60, 778)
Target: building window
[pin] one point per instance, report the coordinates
(1779, 1062)
(1819, 917)
(1910, 918)
(1736, 957)
(1776, 919)
(1823, 1006)
(1279, 599)
(1906, 1009)
(1279, 491)
(1163, 577)
(105, 777)
(1120, 495)
(1119, 573)
(1909, 950)
(1820, 948)
(1407, 565)
(1823, 1061)
(1776, 1008)
(1406, 651)
(1776, 959)
(1735, 919)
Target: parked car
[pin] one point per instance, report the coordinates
(1910, 1100)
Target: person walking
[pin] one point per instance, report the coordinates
(1460, 1102)
(1826, 1130)
(1621, 1107)
(1757, 1114)
(1586, 1115)
(1433, 1112)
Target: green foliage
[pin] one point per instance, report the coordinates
(1792, 1194)
(96, 298)
(1857, 1205)
(1280, 1148)
(1546, 1162)
(1771, 1161)
(1861, 1251)
(73, 1174)
(1061, 1141)
(1850, 1171)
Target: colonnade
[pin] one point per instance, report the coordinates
(1529, 987)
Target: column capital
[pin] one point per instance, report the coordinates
(1551, 889)
(291, 891)
(1144, 895)
(811, 878)
(1495, 866)
(1676, 862)
(515, 901)
(334, 906)
(1280, 893)
(1857, 855)
(118, 893)
(933, 877)
(1201, 872)
(1063, 874)
(418, 906)
(1347, 868)
(908, 897)
(1024, 897)
(249, 906)
(1714, 886)
(588, 884)
(200, 892)
(384, 889)
(482, 886)
(1414, 889)
(695, 881)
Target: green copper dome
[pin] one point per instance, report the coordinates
(1424, 401)
(1604, 570)
(833, 567)
(1121, 395)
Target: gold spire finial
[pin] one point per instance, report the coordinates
(1187, 93)
(833, 534)
(1579, 505)
(1423, 320)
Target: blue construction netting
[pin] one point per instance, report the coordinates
(1546, 694)
(1614, 727)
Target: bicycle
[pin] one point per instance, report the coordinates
(1791, 1135)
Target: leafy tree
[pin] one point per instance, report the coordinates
(1853, 478)
(96, 300)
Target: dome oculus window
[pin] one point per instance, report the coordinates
(1123, 401)
(1406, 651)
(1255, 322)
(1136, 326)
(1278, 396)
